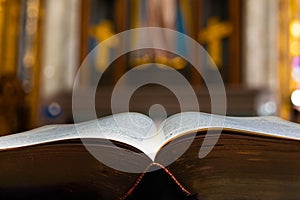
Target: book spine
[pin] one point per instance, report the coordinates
(159, 166)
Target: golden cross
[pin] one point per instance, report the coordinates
(213, 35)
(101, 32)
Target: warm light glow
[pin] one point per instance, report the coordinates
(296, 74)
(295, 48)
(295, 28)
(295, 97)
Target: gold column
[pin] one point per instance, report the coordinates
(283, 68)
(289, 68)
(11, 94)
(289, 59)
(20, 35)
(10, 21)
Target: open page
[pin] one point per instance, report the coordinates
(183, 123)
(266, 126)
(130, 128)
(187, 122)
(140, 131)
(135, 129)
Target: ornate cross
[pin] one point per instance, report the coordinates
(101, 32)
(213, 35)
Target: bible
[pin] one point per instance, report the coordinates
(189, 155)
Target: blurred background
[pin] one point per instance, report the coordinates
(254, 43)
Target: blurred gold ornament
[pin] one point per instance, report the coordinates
(295, 48)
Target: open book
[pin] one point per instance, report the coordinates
(210, 155)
